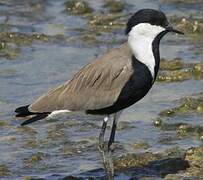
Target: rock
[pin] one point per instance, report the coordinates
(152, 165)
(174, 152)
(170, 165)
(195, 158)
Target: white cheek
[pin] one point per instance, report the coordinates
(146, 30)
(140, 40)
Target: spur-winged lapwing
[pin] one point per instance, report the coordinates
(112, 82)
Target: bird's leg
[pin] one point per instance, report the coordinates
(106, 156)
(102, 132)
(113, 130)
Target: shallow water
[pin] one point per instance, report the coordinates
(68, 144)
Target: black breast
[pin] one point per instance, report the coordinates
(136, 88)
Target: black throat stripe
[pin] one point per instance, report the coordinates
(155, 49)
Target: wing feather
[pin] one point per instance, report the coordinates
(97, 85)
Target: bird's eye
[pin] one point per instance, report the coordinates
(165, 23)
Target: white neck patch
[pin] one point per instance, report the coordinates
(140, 41)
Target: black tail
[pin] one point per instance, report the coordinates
(23, 112)
(22, 109)
(35, 118)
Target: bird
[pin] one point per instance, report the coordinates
(113, 81)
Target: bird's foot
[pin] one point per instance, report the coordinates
(111, 147)
(102, 147)
(106, 154)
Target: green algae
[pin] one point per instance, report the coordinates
(78, 147)
(4, 124)
(188, 105)
(170, 65)
(9, 51)
(27, 130)
(92, 40)
(87, 126)
(134, 160)
(8, 73)
(158, 122)
(98, 22)
(4, 171)
(8, 139)
(168, 139)
(114, 6)
(70, 123)
(198, 71)
(27, 178)
(190, 26)
(182, 130)
(22, 39)
(76, 7)
(54, 135)
(68, 151)
(140, 145)
(11, 43)
(175, 70)
(30, 143)
(106, 23)
(124, 125)
(35, 158)
(190, 130)
(181, 1)
(173, 76)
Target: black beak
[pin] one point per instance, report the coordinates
(171, 29)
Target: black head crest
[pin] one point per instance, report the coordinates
(150, 16)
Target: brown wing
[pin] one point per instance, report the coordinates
(95, 86)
